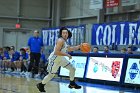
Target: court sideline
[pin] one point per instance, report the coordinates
(16, 84)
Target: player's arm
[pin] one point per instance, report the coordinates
(58, 48)
(73, 48)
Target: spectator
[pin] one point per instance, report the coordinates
(129, 50)
(95, 50)
(14, 59)
(114, 46)
(23, 60)
(106, 49)
(123, 50)
(134, 48)
(6, 57)
(35, 44)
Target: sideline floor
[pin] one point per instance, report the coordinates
(15, 84)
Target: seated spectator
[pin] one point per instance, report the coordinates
(123, 50)
(114, 47)
(129, 50)
(133, 48)
(14, 59)
(106, 49)
(6, 57)
(23, 60)
(95, 49)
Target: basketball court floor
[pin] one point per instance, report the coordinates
(17, 84)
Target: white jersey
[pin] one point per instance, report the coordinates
(63, 49)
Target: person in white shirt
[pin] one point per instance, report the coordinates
(57, 59)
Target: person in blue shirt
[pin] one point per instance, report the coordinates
(23, 59)
(6, 53)
(6, 57)
(95, 50)
(129, 50)
(106, 49)
(14, 59)
(35, 44)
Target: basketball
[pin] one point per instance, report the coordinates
(85, 47)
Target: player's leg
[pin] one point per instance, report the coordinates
(66, 64)
(52, 68)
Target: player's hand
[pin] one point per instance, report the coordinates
(70, 57)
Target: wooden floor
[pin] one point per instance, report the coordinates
(15, 84)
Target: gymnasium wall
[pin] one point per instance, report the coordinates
(52, 13)
(77, 12)
(1, 35)
(29, 13)
(40, 14)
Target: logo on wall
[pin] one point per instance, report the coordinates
(115, 68)
(78, 64)
(73, 63)
(118, 33)
(133, 71)
(50, 35)
(95, 69)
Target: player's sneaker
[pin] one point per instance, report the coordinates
(74, 85)
(40, 87)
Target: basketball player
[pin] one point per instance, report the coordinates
(57, 59)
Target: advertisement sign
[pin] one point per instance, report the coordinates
(104, 68)
(50, 35)
(119, 33)
(133, 71)
(112, 3)
(79, 63)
